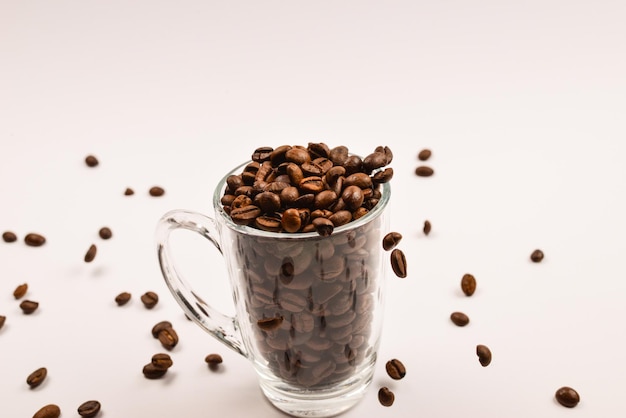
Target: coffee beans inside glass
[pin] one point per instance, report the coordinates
(300, 229)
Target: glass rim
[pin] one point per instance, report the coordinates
(248, 230)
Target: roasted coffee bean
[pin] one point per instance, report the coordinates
(536, 256)
(213, 360)
(34, 240)
(398, 263)
(567, 397)
(129, 192)
(245, 215)
(261, 154)
(3, 319)
(395, 369)
(361, 180)
(150, 371)
(277, 156)
(385, 396)
(468, 284)
(156, 191)
(268, 202)
(323, 226)
(270, 324)
(297, 155)
(20, 291)
(484, 355)
(268, 223)
(384, 176)
(424, 154)
(28, 306)
(338, 155)
(373, 161)
(91, 161)
(427, 227)
(391, 240)
(89, 409)
(325, 199)
(122, 298)
(160, 326)
(9, 236)
(318, 150)
(291, 221)
(424, 171)
(353, 164)
(353, 197)
(105, 232)
(37, 377)
(459, 319)
(150, 299)
(90, 255)
(48, 411)
(168, 338)
(312, 184)
(162, 361)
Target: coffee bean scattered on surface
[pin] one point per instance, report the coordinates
(398, 263)
(20, 291)
(567, 396)
(424, 154)
(91, 161)
(168, 338)
(150, 299)
(129, 192)
(156, 191)
(123, 298)
(427, 227)
(9, 236)
(536, 256)
(385, 396)
(34, 240)
(162, 361)
(3, 319)
(391, 240)
(37, 377)
(213, 360)
(468, 284)
(459, 319)
(89, 409)
(424, 171)
(48, 411)
(28, 306)
(484, 355)
(395, 369)
(90, 255)
(150, 371)
(160, 326)
(105, 232)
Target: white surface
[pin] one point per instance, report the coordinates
(522, 104)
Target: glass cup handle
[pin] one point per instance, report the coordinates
(223, 327)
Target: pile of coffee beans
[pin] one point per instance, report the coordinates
(306, 188)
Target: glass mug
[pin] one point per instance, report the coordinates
(308, 308)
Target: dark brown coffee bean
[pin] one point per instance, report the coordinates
(37, 377)
(323, 226)
(150, 371)
(391, 240)
(28, 306)
(338, 155)
(291, 220)
(340, 217)
(398, 263)
(424, 171)
(268, 223)
(90, 255)
(89, 409)
(427, 227)
(34, 240)
(536, 256)
(484, 355)
(150, 299)
(312, 184)
(213, 360)
(459, 319)
(424, 154)
(122, 298)
(91, 161)
(384, 176)
(245, 215)
(3, 319)
(9, 236)
(567, 397)
(468, 284)
(373, 161)
(268, 202)
(387, 151)
(353, 197)
(105, 232)
(318, 150)
(395, 369)
(270, 324)
(20, 291)
(386, 396)
(361, 180)
(129, 192)
(160, 326)
(162, 361)
(48, 411)
(297, 155)
(261, 154)
(168, 338)
(156, 191)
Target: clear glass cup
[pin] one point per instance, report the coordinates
(308, 308)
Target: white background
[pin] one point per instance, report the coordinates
(522, 103)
